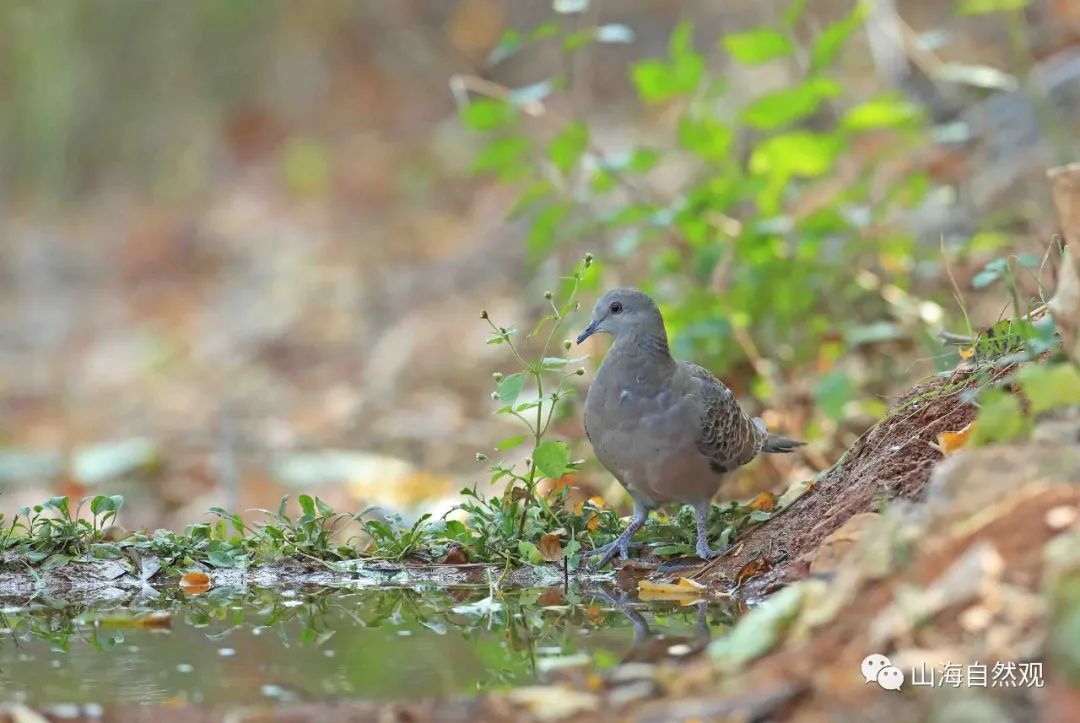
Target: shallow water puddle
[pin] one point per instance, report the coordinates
(232, 646)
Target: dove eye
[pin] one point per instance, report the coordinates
(616, 307)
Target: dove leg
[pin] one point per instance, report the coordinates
(701, 516)
(621, 545)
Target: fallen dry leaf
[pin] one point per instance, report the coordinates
(950, 442)
(456, 555)
(595, 614)
(794, 491)
(551, 596)
(153, 621)
(752, 568)
(553, 702)
(550, 547)
(685, 590)
(594, 520)
(195, 583)
(765, 501)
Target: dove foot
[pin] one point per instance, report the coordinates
(621, 544)
(706, 553)
(701, 548)
(620, 547)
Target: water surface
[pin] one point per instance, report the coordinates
(236, 646)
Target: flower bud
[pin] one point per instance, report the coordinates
(567, 344)
(480, 456)
(483, 314)
(588, 260)
(497, 376)
(495, 396)
(548, 295)
(580, 372)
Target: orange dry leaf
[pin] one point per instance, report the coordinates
(550, 547)
(765, 501)
(456, 555)
(595, 614)
(752, 568)
(594, 520)
(681, 590)
(949, 442)
(553, 487)
(195, 583)
(551, 596)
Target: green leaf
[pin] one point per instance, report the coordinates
(670, 550)
(307, 504)
(508, 44)
(707, 137)
(55, 562)
(994, 270)
(757, 46)
(643, 159)
(786, 106)
(511, 442)
(220, 558)
(832, 38)
(60, 504)
(504, 156)
(542, 233)
(544, 31)
(1050, 387)
(551, 458)
(794, 11)
(657, 80)
(887, 111)
(797, 153)
(568, 146)
(486, 114)
(510, 387)
(981, 7)
(653, 80)
(1000, 419)
(530, 553)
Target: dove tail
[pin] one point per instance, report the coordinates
(774, 443)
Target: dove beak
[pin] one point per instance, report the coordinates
(589, 331)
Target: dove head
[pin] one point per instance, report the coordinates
(626, 313)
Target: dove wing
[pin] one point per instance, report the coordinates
(728, 438)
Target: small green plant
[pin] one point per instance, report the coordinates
(1046, 378)
(511, 527)
(674, 535)
(52, 535)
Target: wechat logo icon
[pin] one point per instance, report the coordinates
(878, 669)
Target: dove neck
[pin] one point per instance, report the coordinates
(650, 347)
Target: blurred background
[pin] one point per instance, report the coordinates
(244, 244)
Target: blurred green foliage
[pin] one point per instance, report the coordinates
(762, 239)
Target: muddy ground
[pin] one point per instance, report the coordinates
(895, 550)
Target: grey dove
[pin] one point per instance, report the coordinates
(668, 430)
